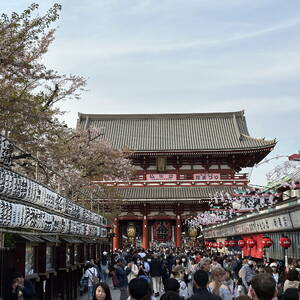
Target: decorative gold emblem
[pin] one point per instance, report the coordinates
(193, 232)
(131, 231)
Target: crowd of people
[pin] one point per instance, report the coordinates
(185, 273)
(179, 274)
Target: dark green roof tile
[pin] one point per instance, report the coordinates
(172, 193)
(175, 132)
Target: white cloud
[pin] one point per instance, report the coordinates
(102, 50)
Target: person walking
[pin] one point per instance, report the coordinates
(104, 266)
(201, 291)
(122, 279)
(216, 285)
(132, 270)
(156, 273)
(178, 272)
(246, 273)
(92, 276)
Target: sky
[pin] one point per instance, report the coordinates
(182, 56)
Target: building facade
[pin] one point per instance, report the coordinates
(181, 161)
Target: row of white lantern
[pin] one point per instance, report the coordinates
(6, 150)
(16, 186)
(246, 200)
(14, 215)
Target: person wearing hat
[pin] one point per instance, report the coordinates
(178, 273)
(279, 278)
(275, 273)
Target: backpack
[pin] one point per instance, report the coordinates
(95, 279)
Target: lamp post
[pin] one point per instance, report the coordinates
(285, 242)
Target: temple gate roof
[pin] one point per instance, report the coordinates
(224, 131)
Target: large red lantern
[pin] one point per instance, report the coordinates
(250, 243)
(215, 245)
(267, 242)
(241, 243)
(226, 243)
(220, 245)
(285, 242)
(232, 243)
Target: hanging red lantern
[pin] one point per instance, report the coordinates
(250, 243)
(241, 243)
(215, 245)
(232, 243)
(206, 243)
(285, 242)
(226, 243)
(220, 245)
(210, 244)
(267, 242)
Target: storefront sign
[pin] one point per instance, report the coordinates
(274, 223)
(161, 177)
(207, 176)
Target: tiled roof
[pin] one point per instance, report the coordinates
(171, 193)
(175, 132)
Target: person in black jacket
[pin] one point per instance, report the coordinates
(122, 279)
(201, 291)
(165, 273)
(156, 273)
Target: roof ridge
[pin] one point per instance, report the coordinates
(161, 115)
(258, 139)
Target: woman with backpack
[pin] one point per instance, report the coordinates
(92, 278)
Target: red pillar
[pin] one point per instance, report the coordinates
(116, 237)
(178, 231)
(145, 233)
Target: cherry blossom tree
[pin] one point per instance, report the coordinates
(63, 158)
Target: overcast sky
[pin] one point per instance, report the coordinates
(163, 56)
